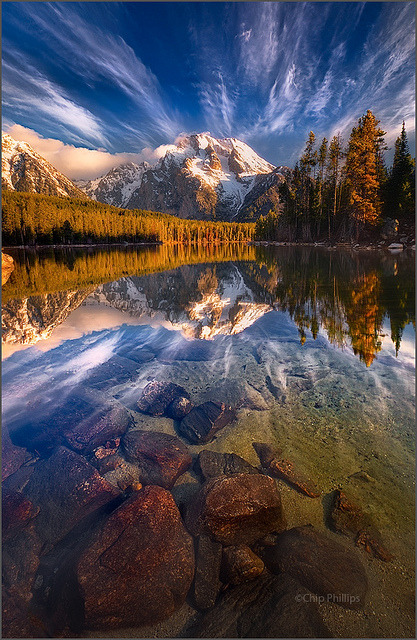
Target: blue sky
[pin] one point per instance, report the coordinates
(121, 77)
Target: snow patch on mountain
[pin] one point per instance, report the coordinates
(23, 169)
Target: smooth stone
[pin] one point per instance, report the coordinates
(179, 408)
(268, 607)
(212, 464)
(236, 509)
(204, 421)
(67, 489)
(102, 426)
(207, 582)
(162, 458)
(322, 565)
(157, 396)
(240, 564)
(139, 566)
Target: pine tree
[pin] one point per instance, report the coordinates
(400, 186)
(364, 163)
(333, 170)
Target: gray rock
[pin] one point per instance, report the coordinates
(320, 564)
(204, 421)
(157, 396)
(212, 464)
(207, 583)
(268, 607)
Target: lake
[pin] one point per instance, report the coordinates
(312, 348)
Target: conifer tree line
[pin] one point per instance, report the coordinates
(343, 190)
(32, 218)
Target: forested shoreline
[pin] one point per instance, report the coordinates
(343, 191)
(336, 192)
(33, 219)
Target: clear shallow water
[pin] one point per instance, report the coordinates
(314, 348)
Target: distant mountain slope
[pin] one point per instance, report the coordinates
(22, 169)
(117, 186)
(199, 177)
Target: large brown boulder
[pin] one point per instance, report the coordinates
(237, 509)
(67, 489)
(268, 607)
(139, 565)
(161, 457)
(320, 564)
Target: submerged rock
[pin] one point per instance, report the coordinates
(268, 607)
(102, 426)
(320, 564)
(284, 469)
(162, 458)
(158, 396)
(66, 488)
(16, 511)
(179, 408)
(240, 564)
(140, 564)
(236, 509)
(348, 518)
(212, 464)
(207, 582)
(12, 457)
(20, 561)
(204, 421)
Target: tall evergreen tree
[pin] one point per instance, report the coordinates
(364, 163)
(400, 186)
(333, 171)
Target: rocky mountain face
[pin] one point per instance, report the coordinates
(22, 169)
(199, 177)
(117, 186)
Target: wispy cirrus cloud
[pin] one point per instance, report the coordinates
(95, 56)
(26, 89)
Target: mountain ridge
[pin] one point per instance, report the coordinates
(23, 169)
(198, 177)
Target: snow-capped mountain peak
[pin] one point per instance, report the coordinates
(23, 169)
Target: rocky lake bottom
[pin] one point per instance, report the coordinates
(185, 456)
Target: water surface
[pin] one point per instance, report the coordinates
(313, 347)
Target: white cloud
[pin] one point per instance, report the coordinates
(77, 162)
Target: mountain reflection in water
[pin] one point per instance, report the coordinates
(210, 291)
